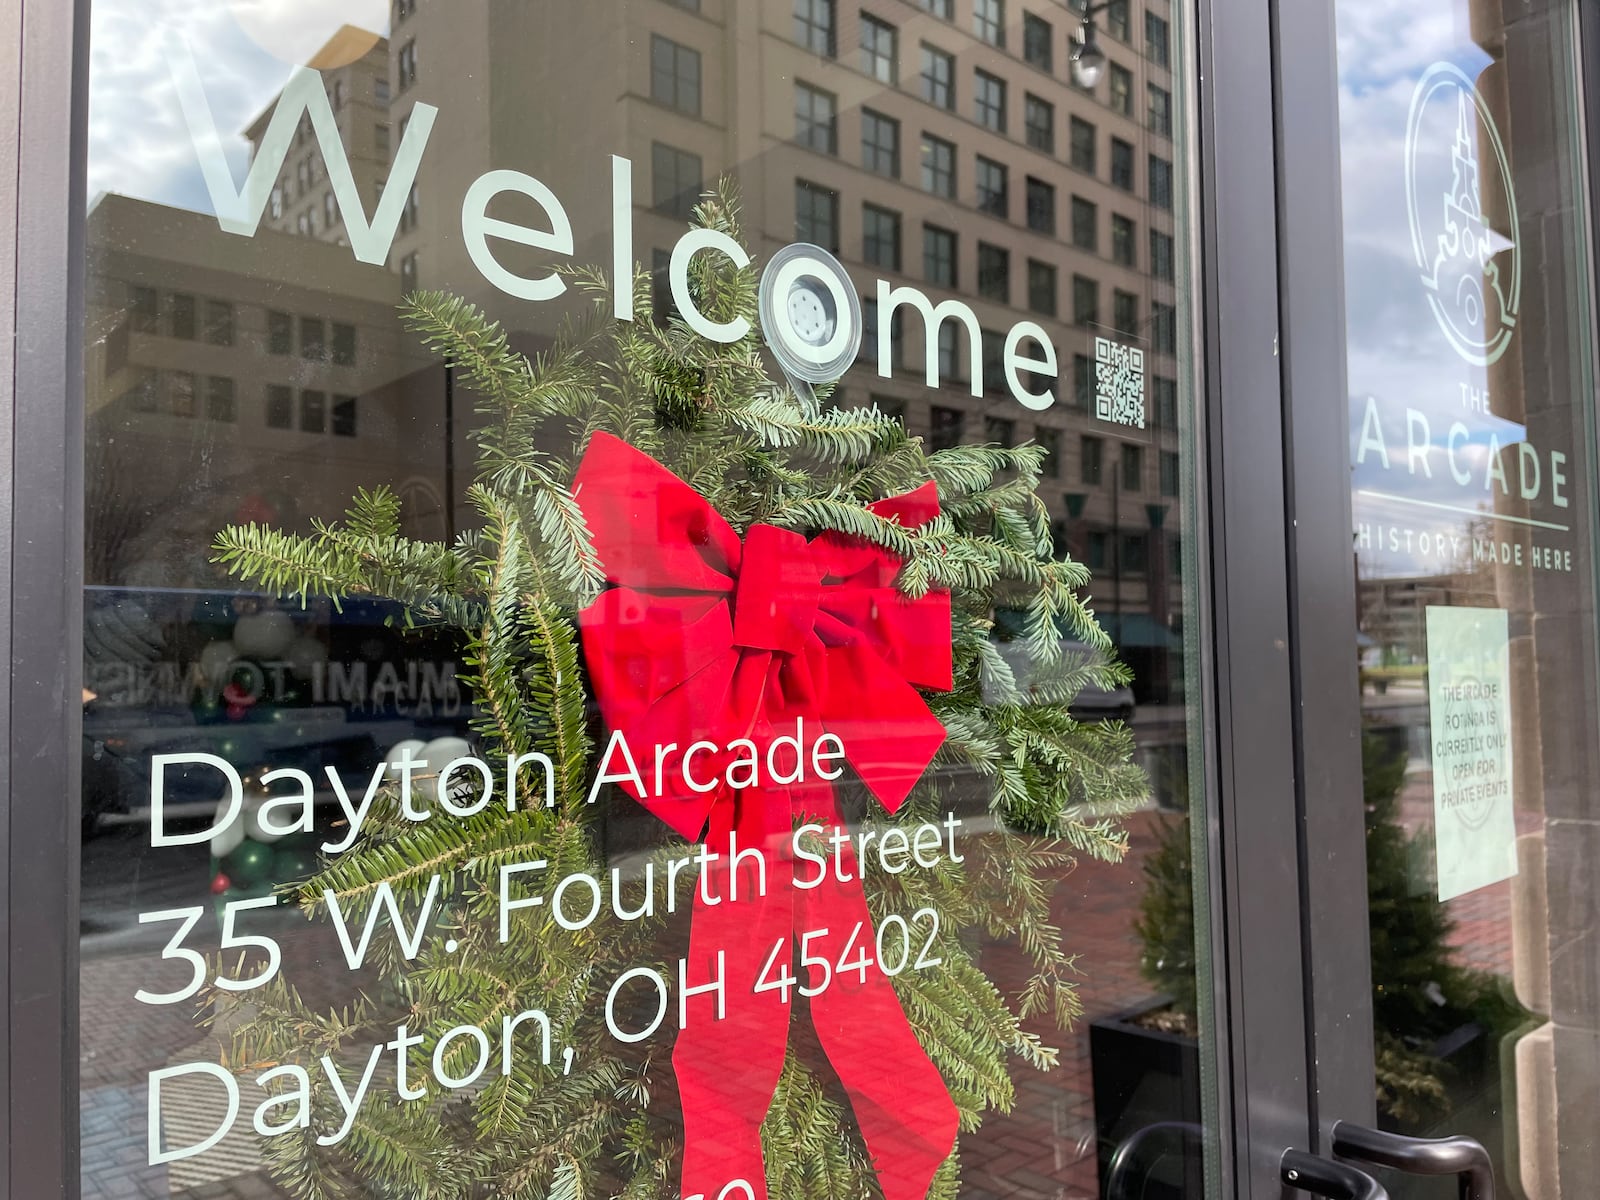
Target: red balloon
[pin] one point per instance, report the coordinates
(220, 884)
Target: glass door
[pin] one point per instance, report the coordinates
(1468, 275)
(644, 603)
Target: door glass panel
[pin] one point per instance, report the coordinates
(1471, 385)
(500, 678)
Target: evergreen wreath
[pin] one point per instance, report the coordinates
(710, 413)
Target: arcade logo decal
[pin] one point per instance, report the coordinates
(1463, 214)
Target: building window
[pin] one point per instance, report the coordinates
(1169, 472)
(675, 181)
(989, 101)
(1041, 206)
(945, 427)
(674, 75)
(219, 323)
(1090, 460)
(1132, 468)
(1160, 182)
(1117, 20)
(1085, 300)
(993, 187)
(993, 346)
(144, 306)
(344, 416)
(180, 393)
(1082, 382)
(814, 26)
(939, 256)
(989, 21)
(313, 412)
(938, 77)
(1135, 553)
(879, 51)
(869, 332)
(816, 119)
(880, 143)
(275, 203)
(220, 402)
(1097, 550)
(380, 89)
(1085, 225)
(1083, 142)
(1155, 39)
(1161, 255)
(1121, 90)
(1000, 431)
(816, 215)
(411, 214)
(1125, 312)
(1160, 111)
(938, 166)
(994, 273)
(1121, 164)
(1039, 123)
(344, 344)
(408, 273)
(880, 237)
(1050, 442)
(1041, 288)
(330, 210)
(949, 351)
(406, 65)
(943, 9)
(280, 333)
(380, 139)
(181, 319)
(280, 406)
(1165, 392)
(1164, 328)
(313, 340)
(1038, 42)
(1122, 235)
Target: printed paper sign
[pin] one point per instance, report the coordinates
(1468, 676)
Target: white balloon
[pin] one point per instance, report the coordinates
(251, 821)
(304, 656)
(226, 841)
(263, 634)
(215, 660)
(439, 753)
(411, 747)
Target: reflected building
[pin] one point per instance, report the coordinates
(941, 146)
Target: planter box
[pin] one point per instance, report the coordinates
(1144, 1077)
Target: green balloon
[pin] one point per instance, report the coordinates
(250, 863)
(294, 863)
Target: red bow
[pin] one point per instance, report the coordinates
(705, 639)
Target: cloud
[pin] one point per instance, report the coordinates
(138, 145)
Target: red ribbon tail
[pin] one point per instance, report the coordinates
(728, 1068)
(902, 1106)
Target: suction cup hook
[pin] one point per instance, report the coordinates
(810, 317)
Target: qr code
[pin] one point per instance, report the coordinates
(1118, 383)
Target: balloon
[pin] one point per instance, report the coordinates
(215, 660)
(263, 634)
(398, 751)
(252, 821)
(226, 841)
(438, 754)
(220, 884)
(249, 864)
(304, 656)
(295, 863)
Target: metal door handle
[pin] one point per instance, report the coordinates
(1462, 1157)
(1324, 1177)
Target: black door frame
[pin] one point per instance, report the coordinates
(1283, 729)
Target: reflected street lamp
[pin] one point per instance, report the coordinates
(1088, 60)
